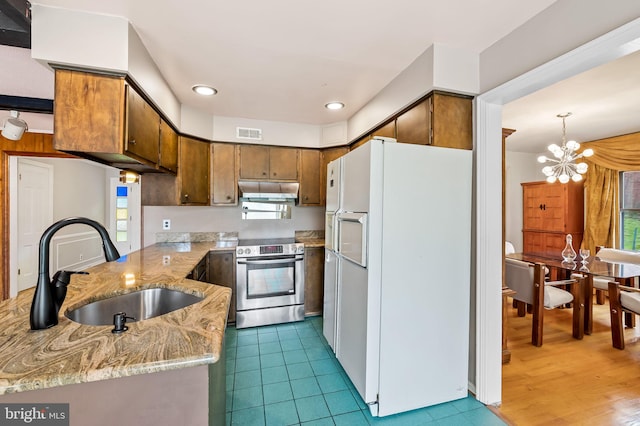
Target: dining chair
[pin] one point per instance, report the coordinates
(621, 299)
(601, 283)
(509, 248)
(528, 281)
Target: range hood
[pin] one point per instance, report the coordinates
(268, 191)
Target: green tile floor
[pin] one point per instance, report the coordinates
(287, 375)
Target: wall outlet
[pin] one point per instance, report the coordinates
(166, 224)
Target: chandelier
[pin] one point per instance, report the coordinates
(563, 167)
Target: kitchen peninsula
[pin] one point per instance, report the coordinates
(166, 370)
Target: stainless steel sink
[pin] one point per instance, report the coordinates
(141, 305)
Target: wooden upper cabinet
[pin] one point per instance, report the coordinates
(194, 171)
(310, 182)
(387, 131)
(103, 118)
(283, 163)
(414, 125)
(224, 185)
(441, 119)
(254, 162)
(452, 121)
(168, 147)
(268, 163)
(88, 112)
(143, 128)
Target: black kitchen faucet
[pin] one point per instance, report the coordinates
(50, 294)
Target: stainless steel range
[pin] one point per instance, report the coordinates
(269, 282)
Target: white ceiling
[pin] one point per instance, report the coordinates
(283, 60)
(604, 102)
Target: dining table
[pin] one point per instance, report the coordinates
(623, 273)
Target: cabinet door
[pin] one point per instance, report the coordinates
(313, 280)
(143, 128)
(283, 163)
(414, 126)
(160, 189)
(222, 271)
(254, 162)
(452, 121)
(533, 206)
(388, 130)
(168, 147)
(553, 214)
(224, 186)
(88, 112)
(194, 171)
(310, 190)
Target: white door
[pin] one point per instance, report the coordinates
(124, 215)
(35, 214)
(356, 342)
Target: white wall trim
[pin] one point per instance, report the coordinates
(488, 130)
(75, 243)
(488, 252)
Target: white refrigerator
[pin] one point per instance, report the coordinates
(402, 301)
(331, 258)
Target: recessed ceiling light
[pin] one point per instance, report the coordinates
(203, 90)
(334, 105)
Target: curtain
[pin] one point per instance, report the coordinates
(602, 187)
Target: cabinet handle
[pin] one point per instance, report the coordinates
(132, 141)
(228, 197)
(540, 206)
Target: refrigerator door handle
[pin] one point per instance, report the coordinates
(352, 237)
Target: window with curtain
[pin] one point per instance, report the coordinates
(630, 210)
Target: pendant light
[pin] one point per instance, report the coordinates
(563, 165)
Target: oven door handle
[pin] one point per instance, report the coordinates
(269, 262)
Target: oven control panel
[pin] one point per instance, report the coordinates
(270, 250)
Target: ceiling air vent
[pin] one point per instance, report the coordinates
(247, 133)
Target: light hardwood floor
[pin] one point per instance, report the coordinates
(568, 381)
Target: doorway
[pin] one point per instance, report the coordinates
(34, 215)
(124, 216)
(78, 188)
(488, 197)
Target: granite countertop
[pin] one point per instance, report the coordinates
(74, 353)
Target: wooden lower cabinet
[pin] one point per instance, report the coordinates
(313, 280)
(201, 271)
(222, 271)
(548, 243)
